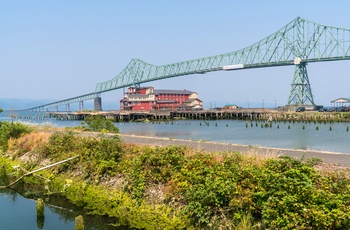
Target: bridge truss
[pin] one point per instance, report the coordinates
(298, 43)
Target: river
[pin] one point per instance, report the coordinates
(333, 137)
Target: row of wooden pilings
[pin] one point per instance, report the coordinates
(159, 115)
(121, 116)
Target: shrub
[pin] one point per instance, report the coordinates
(295, 196)
(29, 142)
(211, 187)
(99, 124)
(213, 190)
(60, 144)
(11, 130)
(99, 155)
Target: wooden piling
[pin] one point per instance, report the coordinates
(79, 223)
(40, 209)
(3, 172)
(3, 175)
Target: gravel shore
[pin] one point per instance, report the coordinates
(334, 158)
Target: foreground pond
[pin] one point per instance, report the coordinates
(18, 212)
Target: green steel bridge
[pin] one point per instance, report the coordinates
(298, 43)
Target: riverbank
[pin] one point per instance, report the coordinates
(162, 183)
(334, 158)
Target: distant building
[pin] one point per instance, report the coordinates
(148, 98)
(230, 107)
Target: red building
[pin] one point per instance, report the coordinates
(148, 98)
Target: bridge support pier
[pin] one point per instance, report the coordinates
(81, 105)
(67, 108)
(300, 92)
(97, 104)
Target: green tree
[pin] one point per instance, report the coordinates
(99, 123)
(1, 110)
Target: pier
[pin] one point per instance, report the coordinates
(211, 114)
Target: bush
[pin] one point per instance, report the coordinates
(214, 191)
(212, 187)
(295, 196)
(99, 124)
(10, 130)
(99, 155)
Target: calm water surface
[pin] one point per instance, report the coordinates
(17, 212)
(233, 131)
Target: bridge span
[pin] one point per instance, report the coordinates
(298, 43)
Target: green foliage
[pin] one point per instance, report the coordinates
(99, 124)
(98, 155)
(293, 195)
(151, 166)
(10, 130)
(120, 204)
(207, 191)
(8, 164)
(1, 110)
(281, 194)
(60, 144)
(210, 186)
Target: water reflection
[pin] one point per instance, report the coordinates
(19, 203)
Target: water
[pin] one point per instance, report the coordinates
(236, 132)
(17, 212)
(233, 131)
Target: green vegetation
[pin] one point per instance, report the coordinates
(10, 130)
(1, 110)
(98, 156)
(179, 188)
(99, 124)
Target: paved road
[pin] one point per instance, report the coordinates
(338, 159)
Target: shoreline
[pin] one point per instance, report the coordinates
(334, 158)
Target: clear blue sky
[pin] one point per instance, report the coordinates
(60, 49)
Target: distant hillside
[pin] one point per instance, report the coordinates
(16, 103)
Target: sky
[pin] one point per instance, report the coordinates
(54, 50)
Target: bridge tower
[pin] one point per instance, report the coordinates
(300, 92)
(97, 104)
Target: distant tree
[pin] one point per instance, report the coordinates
(99, 124)
(1, 110)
